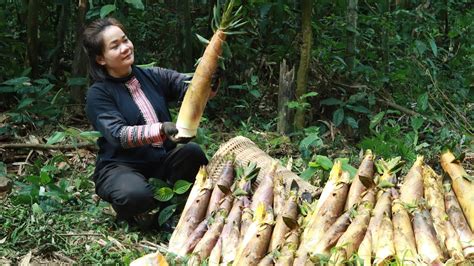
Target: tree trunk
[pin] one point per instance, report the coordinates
(79, 65)
(385, 36)
(446, 20)
(22, 8)
(286, 88)
(305, 57)
(351, 34)
(61, 33)
(32, 37)
(184, 14)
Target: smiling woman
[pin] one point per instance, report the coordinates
(118, 55)
(129, 106)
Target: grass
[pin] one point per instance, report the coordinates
(76, 228)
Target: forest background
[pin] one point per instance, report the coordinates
(395, 77)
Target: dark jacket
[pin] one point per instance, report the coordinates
(109, 107)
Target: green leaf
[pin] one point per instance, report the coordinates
(358, 108)
(17, 81)
(416, 122)
(76, 81)
(376, 119)
(44, 178)
(331, 101)
(434, 48)
(90, 135)
(308, 173)
(36, 209)
(293, 104)
(338, 117)
(166, 214)
(357, 97)
(420, 47)
(33, 179)
(338, 58)
(136, 4)
(349, 168)
(385, 184)
(202, 39)
(107, 9)
(323, 162)
(164, 194)
(422, 101)
(309, 94)
(352, 122)
(25, 102)
(255, 93)
(45, 90)
(157, 183)
(181, 186)
(311, 140)
(56, 137)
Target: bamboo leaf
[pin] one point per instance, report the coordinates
(234, 32)
(202, 39)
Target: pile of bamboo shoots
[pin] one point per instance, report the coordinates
(376, 217)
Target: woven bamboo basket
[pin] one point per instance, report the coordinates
(246, 151)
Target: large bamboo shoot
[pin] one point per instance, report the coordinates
(463, 187)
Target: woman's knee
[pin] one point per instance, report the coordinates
(131, 198)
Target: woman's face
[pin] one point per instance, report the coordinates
(117, 57)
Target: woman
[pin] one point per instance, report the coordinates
(129, 106)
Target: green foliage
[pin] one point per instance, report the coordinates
(310, 143)
(171, 195)
(321, 165)
(42, 190)
(35, 101)
(347, 112)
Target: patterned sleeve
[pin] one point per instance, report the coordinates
(135, 136)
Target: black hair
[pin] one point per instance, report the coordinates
(93, 43)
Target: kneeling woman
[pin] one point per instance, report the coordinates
(129, 106)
